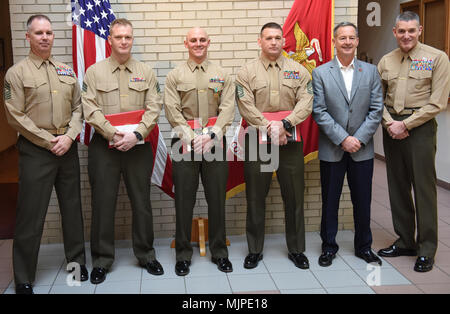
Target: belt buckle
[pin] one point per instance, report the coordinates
(61, 131)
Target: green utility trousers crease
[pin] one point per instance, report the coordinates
(214, 175)
(410, 164)
(106, 165)
(39, 171)
(290, 175)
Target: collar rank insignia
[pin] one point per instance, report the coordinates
(216, 80)
(137, 79)
(66, 71)
(422, 64)
(291, 75)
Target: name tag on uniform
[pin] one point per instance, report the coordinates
(291, 75)
(422, 64)
(137, 79)
(66, 71)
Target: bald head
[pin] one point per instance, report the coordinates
(197, 42)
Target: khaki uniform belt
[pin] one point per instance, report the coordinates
(60, 131)
(401, 113)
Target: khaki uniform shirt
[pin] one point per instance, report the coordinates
(253, 91)
(428, 83)
(41, 104)
(183, 96)
(101, 95)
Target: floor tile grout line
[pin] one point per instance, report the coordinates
(271, 278)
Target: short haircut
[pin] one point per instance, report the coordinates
(407, 16)
(343, 24)
(37, 17)
(121, 21)
(271, 25)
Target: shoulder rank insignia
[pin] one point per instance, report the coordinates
(291, 75)
(7, 91)
(216, 79)
(422, 64)
(65, 71)
(239, 91)
(137, 79)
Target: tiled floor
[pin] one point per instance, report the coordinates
(275, 274)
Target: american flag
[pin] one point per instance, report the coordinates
(90, 30)
(91, 20)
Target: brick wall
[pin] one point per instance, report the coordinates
(159, 29)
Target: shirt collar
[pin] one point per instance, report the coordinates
(266, 62)
(350, 66)
(414, 53)
(38, 61)
(192, 65)
(115, 65)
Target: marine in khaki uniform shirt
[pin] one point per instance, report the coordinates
(416, 84)
(274, 83)
(114, 85)
(43, 104)
(198, 89)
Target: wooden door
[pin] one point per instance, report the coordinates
(8, 153)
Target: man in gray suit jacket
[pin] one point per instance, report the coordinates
(348, 107)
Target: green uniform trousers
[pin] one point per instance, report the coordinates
(214, 176)
(105, 168)
(39, 171)
(290, 175)
(410, 163)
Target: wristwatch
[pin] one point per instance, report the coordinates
(286, 124)
(138, 135)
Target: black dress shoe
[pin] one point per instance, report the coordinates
(223, 264)
(98, 275)
(299, 259)
(154, 268)
(423, 264)
(182, 268)
(394, 251)
(369, 257)
(326, 259)
(24, 288)
(84, 274)
(252, 260)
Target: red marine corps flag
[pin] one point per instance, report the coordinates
(308, 30)
(91, 20)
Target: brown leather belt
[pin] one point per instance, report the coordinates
(60, 131)
(401, 113)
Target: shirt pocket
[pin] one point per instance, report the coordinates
(108, 94)
(36, 91)
(67, 84)
(288, 93)
(420, 80)
(188, 95)
(261, 92)
(391, 78)
(138, 91)
(214, 93)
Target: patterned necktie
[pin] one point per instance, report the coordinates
(202, 95)
(123, 87)
(400, 91)
(274, 85)
(57, 118)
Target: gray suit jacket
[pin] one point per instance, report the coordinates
(338, 116)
